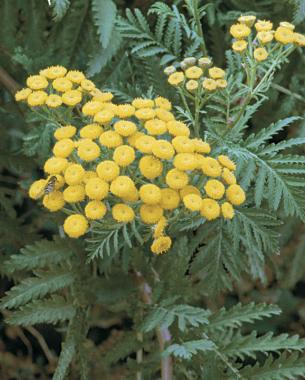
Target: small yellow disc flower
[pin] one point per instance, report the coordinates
(74, 174)
(72, 97)
(22, 94)
(37, 188)
(53, 72)
(91, 131)
(54, 101)
(239, 46)
(240, 31)
(226, 162)
(163, 103)
(299, 39)
(150, 167)
(104, 116)
(227, 210)
(111, 139)
(125, 128)
(210, 209)
(37, 98)
(163, 149)
(214, 189)
(74, 193)
(65, 132)
(122, 186)
(151, 214)
(63, 148)
(160, 227)
(161, 245)
(145, 143)
(183, 144)
(284, 36)
(193, 72)
(125, 110)
(62, 84)
(155, 126)
(75, 76)
(189, 189)
(123, 213)
(170, 199)
(145, 113)
(185, 161)
(192, 202)
(263, 26)
(228, 176)
(216, 73)
(55, 165)
(143, 103)
(287, 25)
(209, 84)
(54, 201)
(248, 20)
(87, 85)
(178, 128)
(176, 79)
(150, 194)
(97, 189)
(211, 167)
(260, 54)
(75, 225)
(95, 210)
(124, 155)
(265, 37)
(88, 150)
(176, 179)
(37, 82)
(91, 108)
(108, 170)
(236, 195)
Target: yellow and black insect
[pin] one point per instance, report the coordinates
(49, 187)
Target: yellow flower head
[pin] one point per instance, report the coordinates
(239, 46)
(91, 131)
(104, 116)
(37, 82)
(108, 170)
(53, 72)
(155, 126)
(228, 176)
(150, 167)
(201, 146)
(54, 201)
(37, 98)
(74, 174)
(122, 186)
(226, 162)
(65, 132)
(75, 225)
(101, 96)
(178, 128)
(123, 213)
(211, 167)
(221, 83)
(163, 149)
(72, 97)
(236, 195)
(287, 25)
(63, 148)
(210, 209)
(37, 188)
(183, 144)
(97, 189)
(185, 161)
(62, 84)
(95, 210)
(124, 155)
(161, 245)
(227, 210)
(87, 85)
(189, 189)
(209, 84)
(111, 139)
(75, 76)
(240, 31)
(125, 128)
(88, 150)
(150, 194)
(216, 73)
(151, 214)
(55, 165)
(54, 101)
(22, 94)
(74, 193)
(248, 20)
(160, 227)
(91, 108)
(176, 79)
(192, 85)
(193, 72)
(163, 103)
(214, 189)
(265, 37)
(145, 113)
(263, 26)
(192, 202)
(143, 103)
(125, 110)
(284, 36)
(299, 39)
(260, 54)
(176, 179)
(170, 199)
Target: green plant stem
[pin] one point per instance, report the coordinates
(139, 356)
(199, 28)
(163, 334)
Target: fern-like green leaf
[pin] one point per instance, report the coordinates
(188, 349)
(104, 15)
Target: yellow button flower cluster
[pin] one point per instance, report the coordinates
(130, 163)
(266, 37)
(197, 76)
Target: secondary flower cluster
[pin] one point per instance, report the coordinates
(265, 36)
(197, 75)
(130, 163)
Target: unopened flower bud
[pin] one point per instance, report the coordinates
(169, 70)
(204, 62)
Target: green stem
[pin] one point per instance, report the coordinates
(199, 30)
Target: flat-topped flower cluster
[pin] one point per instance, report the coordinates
(129, 163)
(266, 39)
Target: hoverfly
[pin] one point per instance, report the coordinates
(49, 187)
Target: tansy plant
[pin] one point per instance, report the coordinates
(129, 164)
(157, 175)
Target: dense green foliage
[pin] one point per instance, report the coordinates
(203, 290)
